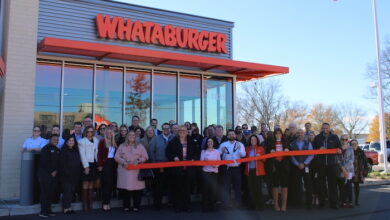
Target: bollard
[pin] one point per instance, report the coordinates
(27, 179)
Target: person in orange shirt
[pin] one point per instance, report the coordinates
(254, 171)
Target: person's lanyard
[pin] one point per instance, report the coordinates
(235, 148)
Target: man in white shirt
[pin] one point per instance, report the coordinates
(232, 150)
(35, 142)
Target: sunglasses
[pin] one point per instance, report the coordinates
(344, 139)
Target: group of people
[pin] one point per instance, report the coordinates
(87, 161)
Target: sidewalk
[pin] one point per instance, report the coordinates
(12, 208)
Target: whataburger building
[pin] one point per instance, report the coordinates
(62, 60)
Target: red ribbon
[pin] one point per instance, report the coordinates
(224, 162)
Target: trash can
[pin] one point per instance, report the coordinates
(27, 179)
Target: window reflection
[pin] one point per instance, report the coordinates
(78, 83)
(137, 96)
(218, 101)
(78, 96)
(189, 98)
(47, 94)
(108, 98)
(164, 96)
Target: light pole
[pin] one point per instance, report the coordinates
(382, 126)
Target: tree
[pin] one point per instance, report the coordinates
(261, 101)
(352, 119)
(374, 128)
(137, 100)
(321, 113)
(385, 68)
(293, 112)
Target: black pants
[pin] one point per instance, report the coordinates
(182, 184)
(68, 190)
(328, 174)
(296, 187)
(232, 176)
(47, 187)
(345, 190)
(127, 195)
(356, 186)
(160, 186)
(314, 179)
(210, 181)
(220, 183)
(254, 190)
(108, 179)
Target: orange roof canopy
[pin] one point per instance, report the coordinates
(243, 70)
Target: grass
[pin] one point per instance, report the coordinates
(379, 175)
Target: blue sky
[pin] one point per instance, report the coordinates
(327, 44)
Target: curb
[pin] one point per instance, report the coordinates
(375, 182)
(16, 209)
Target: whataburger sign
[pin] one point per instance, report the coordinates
(119, 28)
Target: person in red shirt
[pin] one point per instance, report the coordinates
(254, 171)
(280, 169)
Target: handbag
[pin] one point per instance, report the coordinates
(145, 174)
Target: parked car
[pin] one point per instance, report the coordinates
(376, 146)
(364, 147)
(372, 159)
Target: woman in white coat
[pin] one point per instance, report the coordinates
(88, 147)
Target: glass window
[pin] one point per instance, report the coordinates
(47, 94)
(189, 98)
(218, 93)
(137, 96)
(78, 90)
(108, 98)
(164, 96)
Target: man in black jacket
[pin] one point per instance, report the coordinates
(47, 174)
(327, 165)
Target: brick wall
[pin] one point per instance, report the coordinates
(20, 37)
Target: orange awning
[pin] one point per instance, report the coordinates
(243, 70)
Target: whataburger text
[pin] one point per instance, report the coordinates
(152, 33)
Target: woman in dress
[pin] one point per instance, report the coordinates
(280, 170)
(130, 152)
